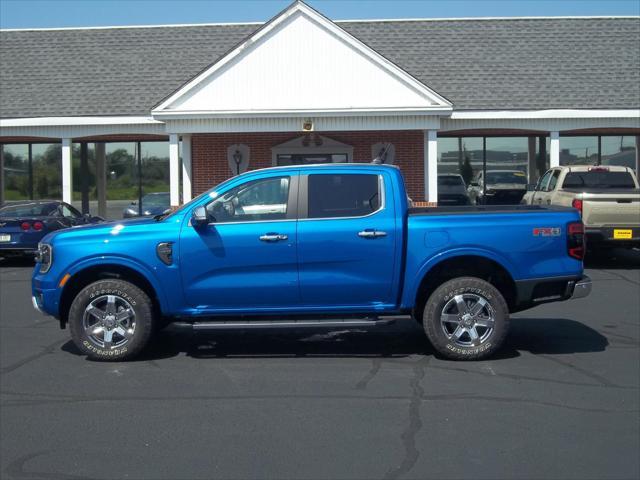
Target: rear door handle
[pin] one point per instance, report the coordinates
(273, 237)
(372, 234)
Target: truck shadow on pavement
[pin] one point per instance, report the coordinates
(403, 339)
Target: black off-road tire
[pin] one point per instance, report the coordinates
(445, 345)
(141, 306)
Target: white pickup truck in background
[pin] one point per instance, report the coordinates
(607, 197)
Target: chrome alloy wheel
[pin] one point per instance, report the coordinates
(467, 320)
(109, 321)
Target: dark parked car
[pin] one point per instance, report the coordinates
(503, 187)
(452, 190)
(23, 224)
(152, 204)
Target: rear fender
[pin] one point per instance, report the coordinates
(411, 292)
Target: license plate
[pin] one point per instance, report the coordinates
(5, 238)
(619, 234)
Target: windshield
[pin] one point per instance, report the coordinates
(599, 179)
(507, 177)
(28, 210)
(209, 193)
(155, 200)
(450, 180)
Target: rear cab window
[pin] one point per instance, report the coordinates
(343, 195)
(599, 179)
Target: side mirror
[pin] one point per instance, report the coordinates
(199, 217)
(531, 187)
(474, 184)
(134, 203)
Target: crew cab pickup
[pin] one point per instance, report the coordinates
(608, 199)
(332, 245)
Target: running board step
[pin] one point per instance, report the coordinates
(233, 324)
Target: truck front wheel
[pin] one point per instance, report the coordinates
(111, 320)
(466, 319)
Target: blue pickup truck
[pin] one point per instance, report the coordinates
(308, 246)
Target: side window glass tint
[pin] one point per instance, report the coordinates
(258, 200)
(340, 195)
(553, 181)
(543, 182)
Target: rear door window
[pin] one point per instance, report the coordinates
(339, 195)
(598, 179)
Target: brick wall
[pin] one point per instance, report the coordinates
(210, 167)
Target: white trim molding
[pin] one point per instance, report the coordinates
(542, 120)
(75, 127)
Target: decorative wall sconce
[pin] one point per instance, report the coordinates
(238, 158)
(383, 153)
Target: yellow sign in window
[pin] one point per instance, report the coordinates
(619, 234)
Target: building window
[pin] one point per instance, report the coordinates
(619, 150)
(598, 150)
(579, 150)
(32, 171)
(309, 149)
(466, 156)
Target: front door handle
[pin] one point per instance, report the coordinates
(273, 237)
(372, 234)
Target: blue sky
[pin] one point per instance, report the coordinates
(74, 13)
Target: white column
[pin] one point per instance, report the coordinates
(554, 149)
(431, 166)
(174, 169)
(186, 168)
(67, 181)
(533, 170)
(101, 178)
(1, 175)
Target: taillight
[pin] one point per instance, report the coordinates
(25, 226)
(598, 169)
(577, 204)
(38, 226)
(575, 240)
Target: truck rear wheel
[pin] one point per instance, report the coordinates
(466, 319)
(111, 320)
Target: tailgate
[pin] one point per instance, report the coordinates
(611, 209)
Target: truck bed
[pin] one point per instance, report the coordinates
(479, 209)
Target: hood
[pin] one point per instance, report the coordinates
(452, 190)
(99, 228)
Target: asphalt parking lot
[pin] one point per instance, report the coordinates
(561, 401)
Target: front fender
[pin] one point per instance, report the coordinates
(128, 262)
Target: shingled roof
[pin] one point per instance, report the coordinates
(510, 64)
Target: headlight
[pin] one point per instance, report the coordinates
(44, 257)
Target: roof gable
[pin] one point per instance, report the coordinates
(301, 62)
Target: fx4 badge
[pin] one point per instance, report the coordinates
(546, 232)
